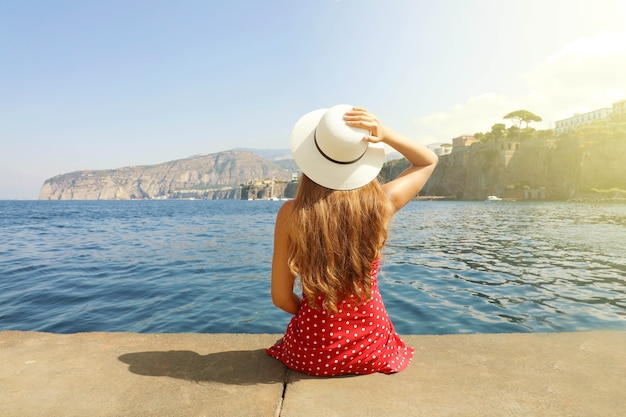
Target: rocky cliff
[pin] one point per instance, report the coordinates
(560, 168)
(213, 176)
(556, 168)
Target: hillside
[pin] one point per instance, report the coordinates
(212, 176)
(588, 164)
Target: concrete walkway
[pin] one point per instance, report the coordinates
(128, 374)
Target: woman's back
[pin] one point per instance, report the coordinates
(331, 235)
(335, 236)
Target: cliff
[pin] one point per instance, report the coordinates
(567, 167)
(213, 176)
(581, 166)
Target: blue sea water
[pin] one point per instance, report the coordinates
(204, 266)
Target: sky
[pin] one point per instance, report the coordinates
(106, 84)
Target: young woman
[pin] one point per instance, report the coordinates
(331, 236)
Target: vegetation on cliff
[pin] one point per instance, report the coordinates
(523, 163)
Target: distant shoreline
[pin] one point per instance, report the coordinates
(417, 198)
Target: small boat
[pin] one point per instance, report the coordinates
(493, 198)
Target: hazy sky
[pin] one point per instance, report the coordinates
(105, 84)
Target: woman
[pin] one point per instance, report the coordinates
(331, 236)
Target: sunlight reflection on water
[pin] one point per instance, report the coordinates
(507, 267)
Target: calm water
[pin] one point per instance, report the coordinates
(204, 266)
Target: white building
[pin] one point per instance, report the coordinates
(565, 125)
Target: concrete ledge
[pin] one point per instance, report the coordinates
(128, 374)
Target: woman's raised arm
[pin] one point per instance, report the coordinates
(423, 161)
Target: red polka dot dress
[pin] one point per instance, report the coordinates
(358, 340)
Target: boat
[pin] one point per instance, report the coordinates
(493, 198)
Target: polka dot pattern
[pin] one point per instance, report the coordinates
(358, 340)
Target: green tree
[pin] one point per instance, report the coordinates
(513, 132)
(498, 131)
(520, 116)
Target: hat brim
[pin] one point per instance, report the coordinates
(325, 172)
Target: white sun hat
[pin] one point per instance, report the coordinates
(333, 154)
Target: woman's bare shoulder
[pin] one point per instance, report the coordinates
(287, 206)
(285, 211)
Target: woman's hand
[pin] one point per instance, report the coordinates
(361, 118)
(423, 161)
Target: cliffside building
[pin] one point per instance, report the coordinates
(565, 125)
(463, 142)
(460, 149)
(619, 111)
(507, 149)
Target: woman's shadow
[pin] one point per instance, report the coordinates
(244, 367)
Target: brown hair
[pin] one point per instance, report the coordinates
(335, 237)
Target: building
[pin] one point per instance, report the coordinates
(579, 119)
(619, 111)
(463, 141)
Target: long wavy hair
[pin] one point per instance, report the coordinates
(335, 237)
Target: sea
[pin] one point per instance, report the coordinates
(198, 266)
